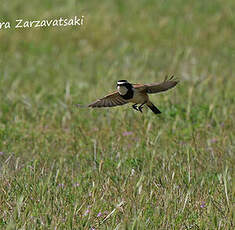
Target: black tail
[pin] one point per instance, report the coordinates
(153, 108)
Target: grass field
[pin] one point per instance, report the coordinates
(62, 167)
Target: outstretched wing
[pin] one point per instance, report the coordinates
(163, 86)
(113, 99)
(140, 87)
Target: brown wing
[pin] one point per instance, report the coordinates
(159, 87)
(113, 99)
(140, 87)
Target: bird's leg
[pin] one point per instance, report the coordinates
(135, 107)
(141, 106)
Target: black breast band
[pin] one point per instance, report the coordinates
(129, 94)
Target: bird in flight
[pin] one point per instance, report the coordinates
(134, 93)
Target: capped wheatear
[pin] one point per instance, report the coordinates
(134, 93)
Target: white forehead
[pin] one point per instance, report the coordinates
(122, 82)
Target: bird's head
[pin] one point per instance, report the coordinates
(123, 86)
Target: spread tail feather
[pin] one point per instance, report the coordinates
(153, 108)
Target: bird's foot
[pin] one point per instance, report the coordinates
(135, 107)
(140, 109)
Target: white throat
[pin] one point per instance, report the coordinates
(122, 89)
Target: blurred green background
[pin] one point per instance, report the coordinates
(68, 168)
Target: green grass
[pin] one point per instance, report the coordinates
(62, 167)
